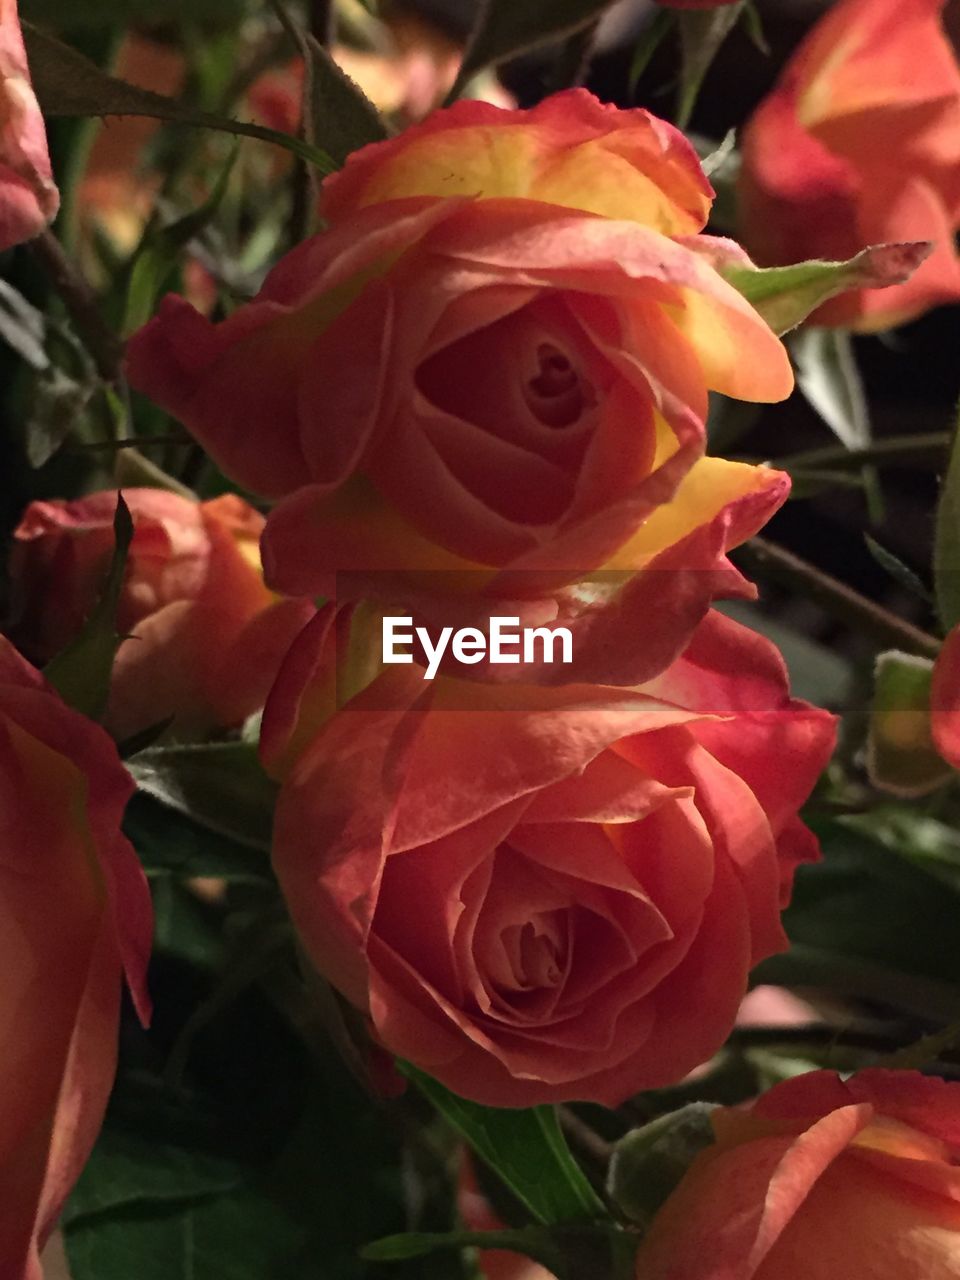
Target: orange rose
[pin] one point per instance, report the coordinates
(859, 144)
(206, 636)
(74, 916)
(495, 365)
(821, 1179)
(545, 894)
(28, 196)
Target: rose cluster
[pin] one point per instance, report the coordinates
(553, 887)
(483, 389)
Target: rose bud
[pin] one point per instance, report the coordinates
(493, 368)
(76, 918)
(206, 636)
(28, 196)
(820, 1179)
(859, 144)
(540, 894)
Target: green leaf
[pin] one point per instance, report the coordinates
(817, 673)
(338, 110)
(649, 42)
(828, 376)
(525, 1148)
(126, 1175)
(268, 1163)
(702, 32)
(505, 28)
(68, 84)
(946, 549)
(924, 1052)
(23, 327)
(901, 757)
(785, 296)
(158, 257)
(335, 108)
(933, 845)
(169, 842)
(753, 26)
(64, 379)
(897, 570)
(648, 1163)
(186, 927)
(866, 922)
(569, 1253)
(57, 403)
(532, 1242)
(134, 468)
(81, 672)
(220, 786)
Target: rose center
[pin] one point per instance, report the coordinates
(536, 952)
(556, 395)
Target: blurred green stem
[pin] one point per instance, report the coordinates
(932, 447)
(78, 298)
(573, 60)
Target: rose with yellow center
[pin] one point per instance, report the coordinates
(493, 368)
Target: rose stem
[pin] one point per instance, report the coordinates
(932, 446)
(582, 1136)
(573, 59)
(104, 346)
(769, 560)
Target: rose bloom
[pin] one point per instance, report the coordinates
(28, 196)
(817, 1180)
(74, 917)
(539, 894)
(495, 365)
(206, 636)
(859, 144)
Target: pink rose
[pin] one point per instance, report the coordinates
(544, 894)
(28, 196)
(206, 636)
(75, 917)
